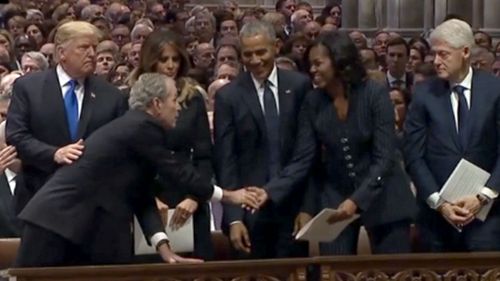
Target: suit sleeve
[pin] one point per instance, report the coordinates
(303, 157)
(415, 135)
(494, 180)
(149, 143)
(383, 145)
(146, 211)
(19, 134)
(226, 170)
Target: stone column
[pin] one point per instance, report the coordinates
(411, 13)
(440, 11)
(393, 14)
(477, 14)
(462, 8)
(491, 16)
(366, 13)
(428, 14)
(350, 14)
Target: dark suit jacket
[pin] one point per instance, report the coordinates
(408, 81)
(357, 155)
(241, 150)
(431, 146)
(37, 124)
(9, 226)
(113, 175)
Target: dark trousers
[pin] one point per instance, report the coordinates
(271, 236)
(40, 248)
(437, 235)
(109, 241)
(391, 238)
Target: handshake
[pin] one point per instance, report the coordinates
(250, 198)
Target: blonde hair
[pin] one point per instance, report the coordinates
(188, 88)
(72, 30)
(75, 29)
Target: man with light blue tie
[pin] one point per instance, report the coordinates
(52, 112)
(452, 117)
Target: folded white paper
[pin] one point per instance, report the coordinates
(181, 240)
(467, 179)
(319, 230)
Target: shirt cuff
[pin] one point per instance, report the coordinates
(218, 193)
(434, 201)
(157, 237)
(489, 193)
(235, 222)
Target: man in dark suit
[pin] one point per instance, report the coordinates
(10, 167)
(54, 110)
(254, 131)
(82, 214)
(398, 53)
(452, 117)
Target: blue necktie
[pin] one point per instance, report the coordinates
(273, 129)
(463, 112)
(71, 105)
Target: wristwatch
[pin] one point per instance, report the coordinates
(483, 200)
(161, 242)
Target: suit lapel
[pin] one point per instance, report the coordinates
(476, 99)
(448, 115)
(89, 97)
(251, 98)
(55, 102)
(6, 196)
(286, 99)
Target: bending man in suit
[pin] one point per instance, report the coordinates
(452, 117)
(52, 111)
(255, 125)
(82, 214)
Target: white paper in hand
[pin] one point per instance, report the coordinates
(181, 240)
(319, 230)
(467, 179)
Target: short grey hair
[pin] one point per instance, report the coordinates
(147, 87)
(89, 11)
(456, 33)
(258, 27)
(39, 58)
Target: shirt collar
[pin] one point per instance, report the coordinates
(467, 82)
(64, 77)
(273, 78)
(10, 175)
(392, 78)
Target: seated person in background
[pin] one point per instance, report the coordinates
(10, 165)
(82, 214)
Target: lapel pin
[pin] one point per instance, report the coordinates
(92, 95)
(288, 91)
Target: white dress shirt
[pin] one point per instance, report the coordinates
(11, 180)
(434, 201)
(64, 79)
(259, 87)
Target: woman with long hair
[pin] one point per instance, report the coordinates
(346, 131)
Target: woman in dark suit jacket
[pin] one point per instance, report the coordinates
(163, 52)
(349, 121)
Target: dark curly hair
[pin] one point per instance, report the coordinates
(344, 56)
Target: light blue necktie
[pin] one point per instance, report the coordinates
(71, 105)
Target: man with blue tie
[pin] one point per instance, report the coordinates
(52, 112)
(452, 117)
